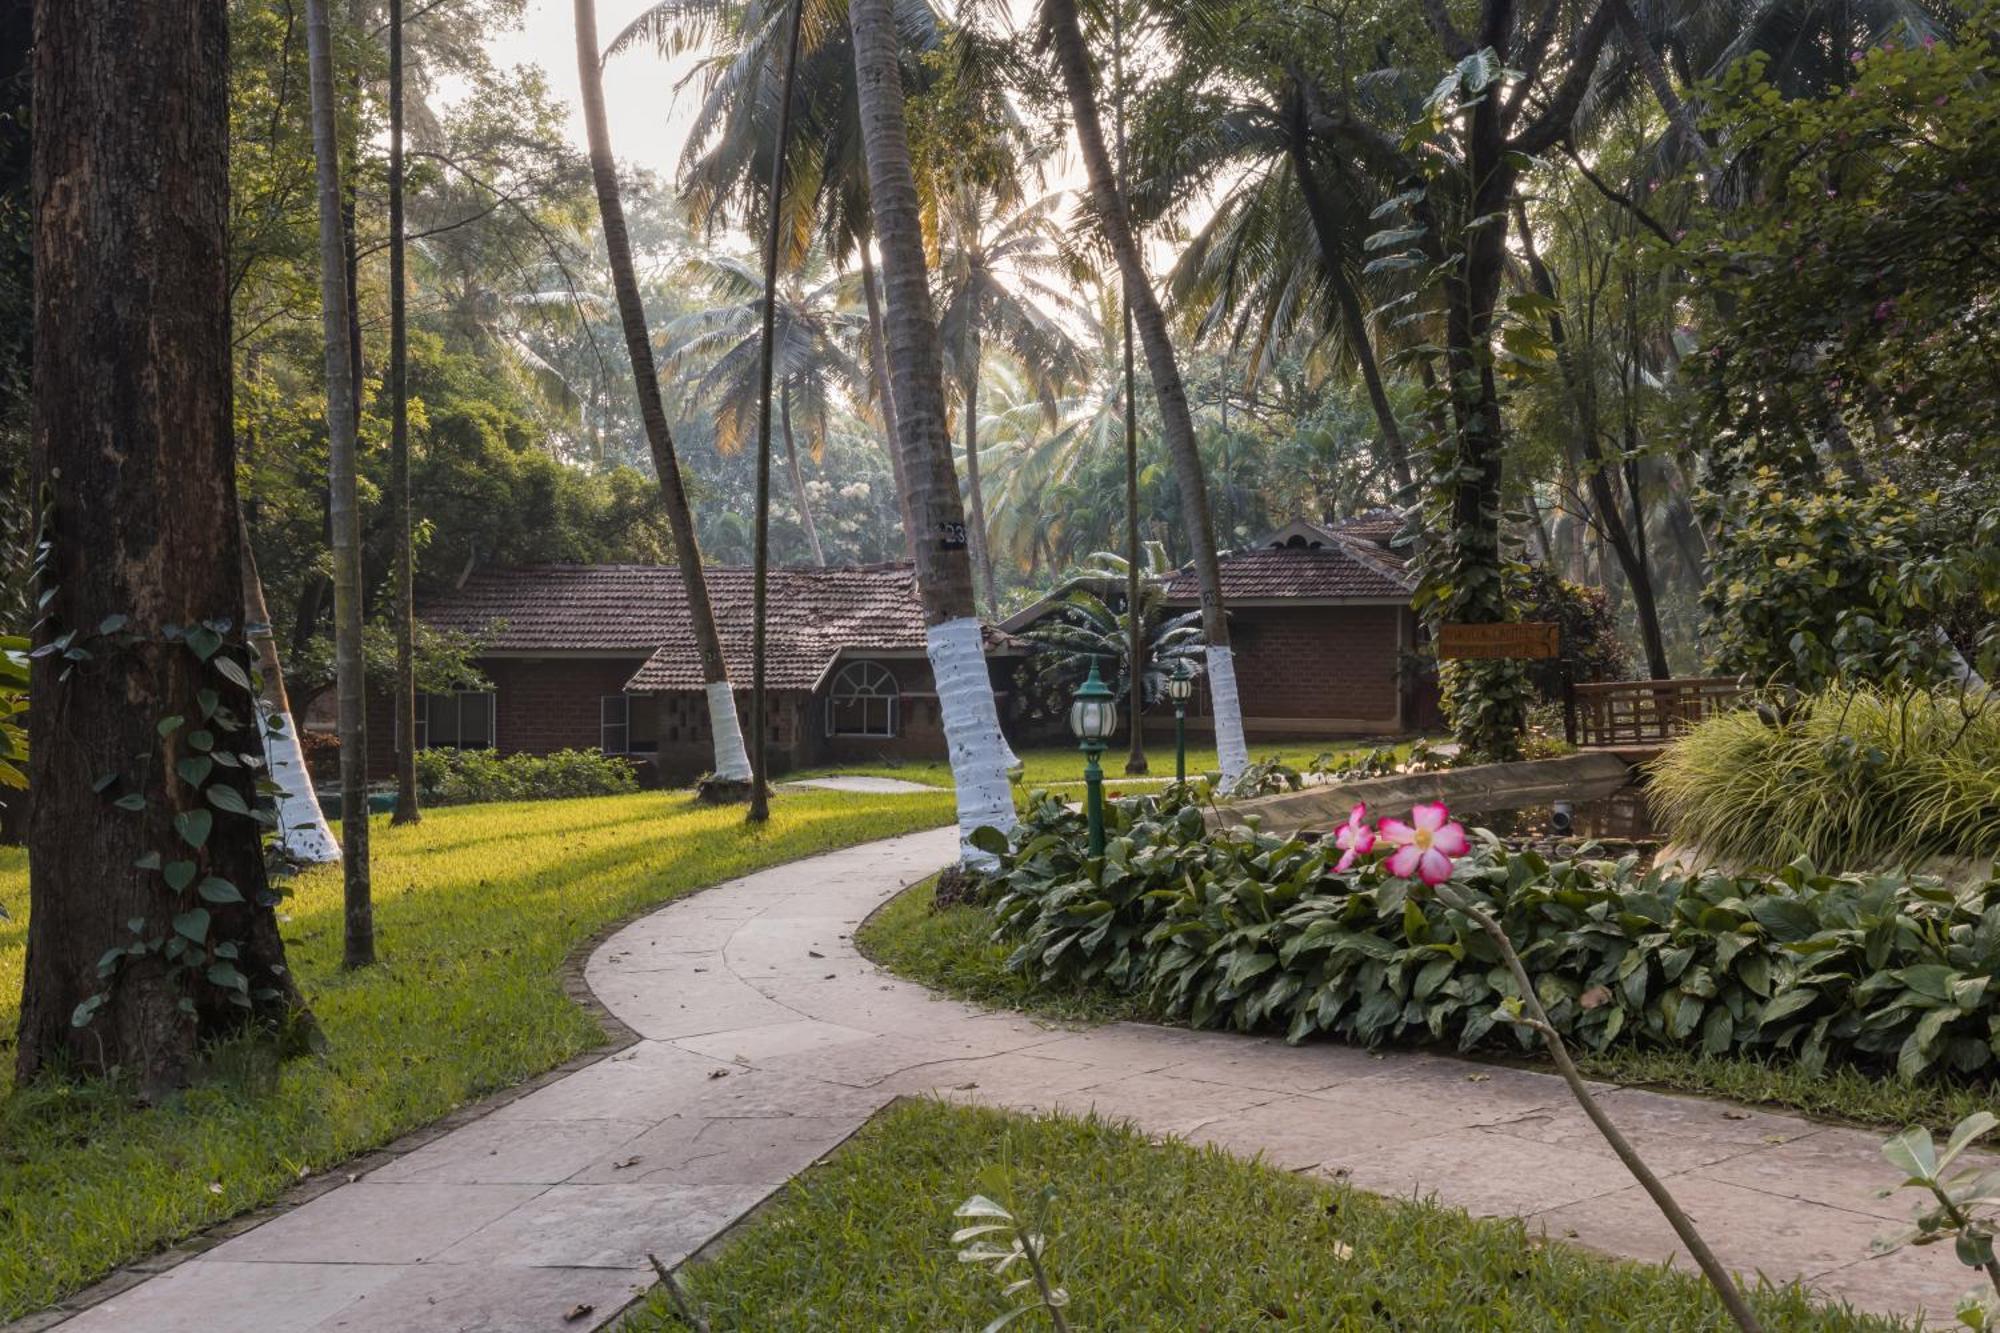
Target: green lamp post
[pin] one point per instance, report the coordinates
(1180, 688)
(1093, 716)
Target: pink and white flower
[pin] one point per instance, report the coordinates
(1426, 845)
(1355, 838)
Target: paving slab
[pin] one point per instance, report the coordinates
(766, 1040)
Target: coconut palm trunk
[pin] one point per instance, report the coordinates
(303, 834)
(878, 357)
(732, 762)
(979, 754)
(1135, 656)
(399, 447)
(358, 949)
(1065, 34)
(982, 556)
(798, 475)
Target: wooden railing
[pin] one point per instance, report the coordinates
(1647, 712)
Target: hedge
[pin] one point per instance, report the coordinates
(1242, 929)
(470, 777)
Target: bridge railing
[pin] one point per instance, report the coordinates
(1647, 712)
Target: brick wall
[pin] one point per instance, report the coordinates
(540, 705)
(1310, 670)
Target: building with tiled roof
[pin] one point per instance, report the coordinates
(603, 657)
(1319, 617)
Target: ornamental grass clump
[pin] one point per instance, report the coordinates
(1855, 779)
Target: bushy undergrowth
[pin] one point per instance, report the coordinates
(472, 777)
(1855, 778)
(1242, 929)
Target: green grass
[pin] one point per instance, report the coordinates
(952, 950)
(475, 910)
(1049, 765)
(1164, 1238)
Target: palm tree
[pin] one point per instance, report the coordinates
(732, 764)
(997, 283)
(979, 754)
(404, 595)
(1065, 33)
(1093, 624)
(358, 949)
(813, 327)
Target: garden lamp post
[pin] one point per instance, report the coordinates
(1093, 716)
(1180, 688)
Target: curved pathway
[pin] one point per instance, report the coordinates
(766, 1040)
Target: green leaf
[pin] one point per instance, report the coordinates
(1786, 920)
(194, 826)
(1913, 1153)
(168, 725)
(179, 874)
(227, 798)
(195, 770)
(233, 672)
(225, 974)
(150, 861)
(215, 889)
(1973, 1127)
(193, 924)
(131, 800)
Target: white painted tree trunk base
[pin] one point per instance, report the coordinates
(303, 834)
(979, 754)
(732, 761)
(1232, 751)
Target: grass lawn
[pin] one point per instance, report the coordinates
(1165, 1239)
(475, 910)
(1051, 764)
(952, 950)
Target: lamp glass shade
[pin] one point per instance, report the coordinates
(1093, 709)
(1180, 685)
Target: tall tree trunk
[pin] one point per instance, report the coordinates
(760, 794)
(1354, 325)
(133, 445)
(979, 754)
(732, 764)
(878, 358)
(358, 946)
(1177, 425)
(399, 448)
(798, 476)
(1596, 468)
(982, 557)
(303, 834)
(1655, 73)
(1135, 629)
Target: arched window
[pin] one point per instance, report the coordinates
(862, 701)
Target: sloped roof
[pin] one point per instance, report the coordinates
(1305, 561)
(815, 616)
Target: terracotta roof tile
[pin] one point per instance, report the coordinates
(814, 615)
(1309, 573)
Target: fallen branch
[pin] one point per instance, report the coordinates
(683, 1304)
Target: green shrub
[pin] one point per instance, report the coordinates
(1236, 928)
(471, 777)
(1855, 778)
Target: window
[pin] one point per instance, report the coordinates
(862, 702)
(462, 721)
(614, 724)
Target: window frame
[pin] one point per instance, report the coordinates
(424, 740)
(623, 725)
(861, 681)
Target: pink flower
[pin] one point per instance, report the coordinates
(1425, 845)
(1354, 837)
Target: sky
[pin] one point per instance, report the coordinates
(648, 122)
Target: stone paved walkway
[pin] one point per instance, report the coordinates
(861, 782)
(767, 1040)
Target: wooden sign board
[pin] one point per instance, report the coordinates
(1533, 638)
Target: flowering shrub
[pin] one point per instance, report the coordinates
(1242, 929)
(470, 777)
